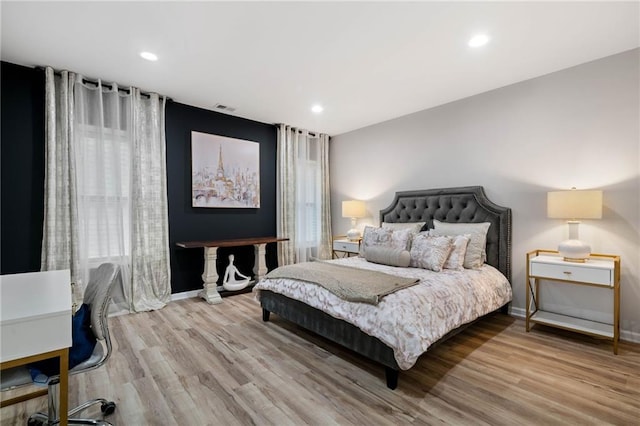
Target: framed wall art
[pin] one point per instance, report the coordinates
(225, 172)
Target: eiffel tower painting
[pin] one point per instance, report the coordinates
(225, 172)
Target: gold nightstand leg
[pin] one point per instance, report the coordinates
(526, 317)
(616, 305)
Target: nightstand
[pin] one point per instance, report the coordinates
(342, 247)
(600, 270)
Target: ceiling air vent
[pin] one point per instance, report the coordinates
(223, 108)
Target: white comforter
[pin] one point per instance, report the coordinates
(409, 320)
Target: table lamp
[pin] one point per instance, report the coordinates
(353, 209)
(574, 205)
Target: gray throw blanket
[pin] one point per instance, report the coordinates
(351, 284)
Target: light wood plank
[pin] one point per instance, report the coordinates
(200, 364)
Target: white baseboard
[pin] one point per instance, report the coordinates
(629, 336)
(185, 295)
(176, 296)
(517, 312)
(626, 335)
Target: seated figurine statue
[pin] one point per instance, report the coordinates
(230, 281)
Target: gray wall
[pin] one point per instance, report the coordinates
(576, 127)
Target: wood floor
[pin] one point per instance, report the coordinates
(197, 364)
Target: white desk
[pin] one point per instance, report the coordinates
(35, 324)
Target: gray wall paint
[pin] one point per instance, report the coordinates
(576, 127)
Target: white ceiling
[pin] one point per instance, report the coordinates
(365, 62)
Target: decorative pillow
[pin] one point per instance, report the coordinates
(476, 254)
(388, 256)
(414, 226)
(456, 257)
(430, 252)
(401, 239)
(373, 237)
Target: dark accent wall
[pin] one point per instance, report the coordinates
(188, 223)
(22, 196)
(22, 174)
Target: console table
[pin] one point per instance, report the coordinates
(210, 275)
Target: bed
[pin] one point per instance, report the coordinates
(460, 205)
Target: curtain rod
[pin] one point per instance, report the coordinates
(110, 84)
(314, 134)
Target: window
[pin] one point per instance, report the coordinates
(308, 219)
(308, 182)
(103, 191)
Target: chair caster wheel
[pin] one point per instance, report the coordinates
(108, 408)
(34, 422)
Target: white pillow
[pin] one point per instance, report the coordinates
(388, 256)
(414, 226)
(476, 254)
(430, 252)
(456, 257)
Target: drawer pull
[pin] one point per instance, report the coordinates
(567, 272)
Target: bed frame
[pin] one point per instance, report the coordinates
(462, 204)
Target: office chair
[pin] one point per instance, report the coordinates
(97, 295)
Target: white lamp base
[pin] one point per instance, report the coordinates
(353, 234)
(574, 251)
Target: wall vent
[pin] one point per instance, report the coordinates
(223, 108)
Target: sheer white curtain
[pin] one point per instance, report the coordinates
(102, 134)
(303, 195)
(119, 167)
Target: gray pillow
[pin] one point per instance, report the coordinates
(388, 256)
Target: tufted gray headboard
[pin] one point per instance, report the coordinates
(463, 204)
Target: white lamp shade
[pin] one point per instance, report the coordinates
(353, 208)
(574, 204)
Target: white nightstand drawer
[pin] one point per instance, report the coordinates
(582, 272)
(346, 245)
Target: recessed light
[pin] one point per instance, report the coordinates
(478, 40)
(149, 56)
(317, 109)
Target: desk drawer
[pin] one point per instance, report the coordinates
(35, 335)
(567, 272)
(348, 246)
